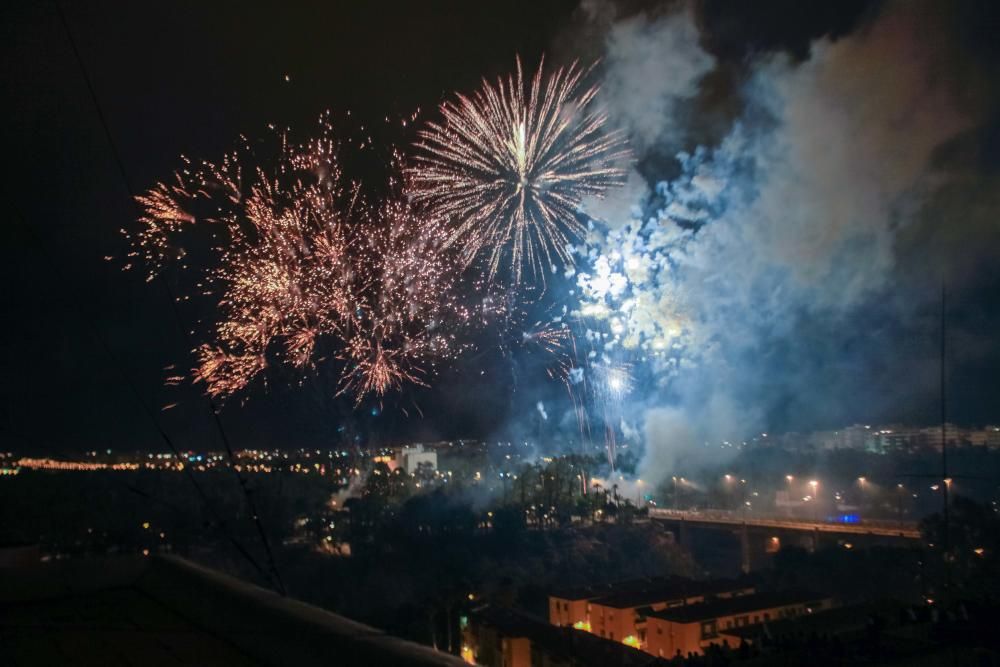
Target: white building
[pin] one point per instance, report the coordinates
(408, 458)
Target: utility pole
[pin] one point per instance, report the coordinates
(945, 480)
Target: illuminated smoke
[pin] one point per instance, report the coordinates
(732, 286)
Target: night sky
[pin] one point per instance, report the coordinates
(86, 344)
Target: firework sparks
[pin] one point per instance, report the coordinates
(305, 270)
(551, 337)
(509, 166)
(611, 383)
(397, 331)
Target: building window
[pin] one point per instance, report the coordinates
(611, 635)
(767, 617)
(659, 631)
(709, 630)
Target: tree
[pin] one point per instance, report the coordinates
(973, 541)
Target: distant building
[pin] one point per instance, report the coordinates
(856, 437)
(409, 458)
(897, 438)
(692, 628)
(991, 436)
(892, 438)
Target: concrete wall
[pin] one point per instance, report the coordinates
(560, 615)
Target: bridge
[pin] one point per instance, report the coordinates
(896, 529)
(760, 535)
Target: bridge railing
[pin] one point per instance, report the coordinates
(908, 529)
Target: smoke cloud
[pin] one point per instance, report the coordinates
(782, 276)
(651, 66)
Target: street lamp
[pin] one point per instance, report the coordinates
(730, 498)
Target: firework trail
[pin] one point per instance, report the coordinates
(304, 270)
(610, 383)
(509, 166)
(554, 339)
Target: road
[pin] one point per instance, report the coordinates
(905, 529)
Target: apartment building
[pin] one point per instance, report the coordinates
(618, 612)
(692, 628)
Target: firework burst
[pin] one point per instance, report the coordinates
(509, 167)
(303, 270)
(406, 314)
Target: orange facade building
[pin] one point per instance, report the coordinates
(618, 613)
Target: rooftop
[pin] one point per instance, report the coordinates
(736, 605)
(670, 589)
(591, 591)
(852, 619)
